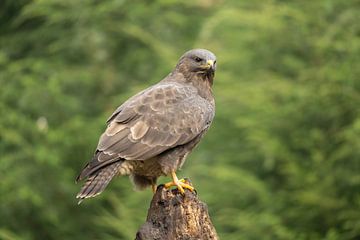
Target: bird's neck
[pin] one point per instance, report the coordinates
(202, 82)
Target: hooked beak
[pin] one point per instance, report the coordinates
(210, 65)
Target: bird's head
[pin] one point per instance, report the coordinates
(198, 61)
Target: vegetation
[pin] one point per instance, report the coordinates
(281, 160)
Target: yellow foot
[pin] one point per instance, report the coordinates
(180, 184)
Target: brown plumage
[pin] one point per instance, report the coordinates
(152, 132)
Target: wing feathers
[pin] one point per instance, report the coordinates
(114, 128)
(107, 141)
(139, 130)
(159, 118)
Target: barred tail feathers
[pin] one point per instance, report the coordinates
(97, 182)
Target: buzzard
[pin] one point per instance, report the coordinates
(152, 133)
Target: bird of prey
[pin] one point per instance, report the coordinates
(152, 133)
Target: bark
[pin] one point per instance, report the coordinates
(175, 216)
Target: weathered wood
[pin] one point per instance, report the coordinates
(174, 216)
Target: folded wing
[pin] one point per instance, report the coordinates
(153, 121)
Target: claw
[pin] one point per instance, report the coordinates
(180, 184)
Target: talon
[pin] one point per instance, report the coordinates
(180, 184)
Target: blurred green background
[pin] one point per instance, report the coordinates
(281, 160)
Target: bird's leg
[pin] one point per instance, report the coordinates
(180, 184)
(153, 187)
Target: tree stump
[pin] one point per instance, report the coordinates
(175, 216)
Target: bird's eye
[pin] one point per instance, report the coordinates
(198, 59)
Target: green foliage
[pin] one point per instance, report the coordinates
(281, 160)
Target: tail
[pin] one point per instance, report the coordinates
(97, 182)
